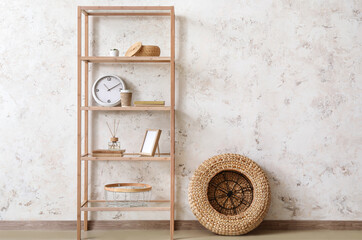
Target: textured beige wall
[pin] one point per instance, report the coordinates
(277, 81)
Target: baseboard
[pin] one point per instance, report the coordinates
(310, 225)
(179, 225)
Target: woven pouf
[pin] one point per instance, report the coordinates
(229, 194)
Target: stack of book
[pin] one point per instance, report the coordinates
(149, 103)
(108, 153)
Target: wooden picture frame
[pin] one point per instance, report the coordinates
(150, 142)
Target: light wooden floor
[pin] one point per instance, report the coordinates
(180, 235)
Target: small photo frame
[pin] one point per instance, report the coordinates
(150, 142)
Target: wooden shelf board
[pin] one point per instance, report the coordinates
(126, 13)
(102, 200)
(105, 59)
(93, 209)
(123, 8)
(90, 157)
(101, 205)
(132, 108)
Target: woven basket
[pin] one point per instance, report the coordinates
(127, 194)
(229, 194)
(137, 49)
(148, 50)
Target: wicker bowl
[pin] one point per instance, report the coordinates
(137, 49)
(148, 50)
(229, 194)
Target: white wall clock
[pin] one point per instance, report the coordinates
(106, 90)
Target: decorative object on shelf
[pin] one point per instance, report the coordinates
(114, 52)
(148, 51)
(126, 98)
(108, 153)
(133, 49)
(229, 194)
(127, 194)
(106, 90)
(114, 144)
(149, 103)
(150, 142)
(139, 50)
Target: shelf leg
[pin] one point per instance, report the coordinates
(86, 115)
(79, 124)
(85, 227)
(172, 112)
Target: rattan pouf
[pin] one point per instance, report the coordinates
(229, 194)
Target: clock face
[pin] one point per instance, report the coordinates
(230, 192)
(107, 90)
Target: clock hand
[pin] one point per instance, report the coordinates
(106, 86)
(114, 86)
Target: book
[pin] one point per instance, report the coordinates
(108, 153)
(149, 103)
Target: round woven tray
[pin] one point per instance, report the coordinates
(229, 194)
(127, 187)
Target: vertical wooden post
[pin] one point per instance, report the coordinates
(172, 210)
(86, 87)
(79, 125)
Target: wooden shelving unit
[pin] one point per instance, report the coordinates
(84, 204)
